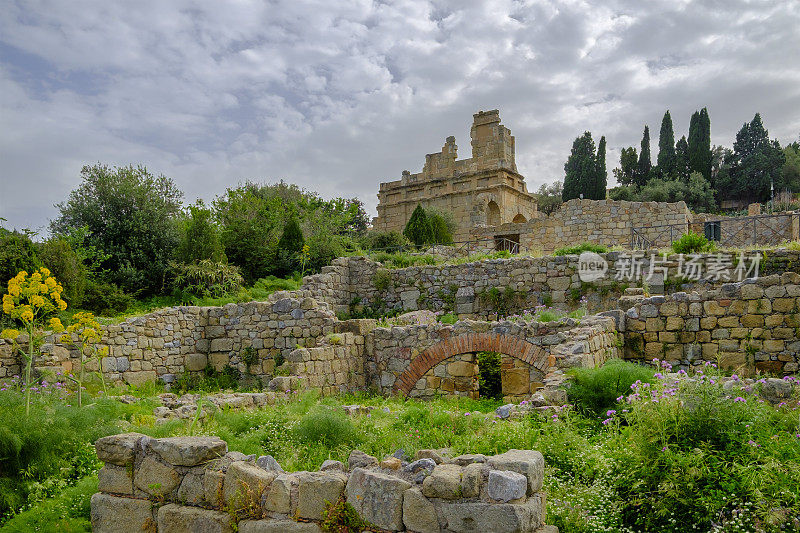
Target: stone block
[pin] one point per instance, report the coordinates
(196, 362)
(505, 485)
(244, 484)
(188, 451)
(529, 463)
(359, 459)
(478, 517)
(515, 381)
(278, 498)
(115, 479)
(377, 497)
(315, 490)
(444, 482)
(111, 514)
(277, 526)
(118, 449)
(174, 518)
(419, 514)
(155, 478)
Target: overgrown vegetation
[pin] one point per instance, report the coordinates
(580, 248)
(692, 243)
(595, 391)
(489, 382)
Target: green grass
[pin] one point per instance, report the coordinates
(580, 248)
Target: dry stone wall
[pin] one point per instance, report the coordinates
(191, 484)
(749, 326)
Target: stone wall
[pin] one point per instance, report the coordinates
(607, 222)
(749, 326)
(192, 484)
(760, 230)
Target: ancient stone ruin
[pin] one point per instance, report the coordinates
(194, 484)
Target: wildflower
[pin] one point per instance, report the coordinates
(611, 412)
(739, 399)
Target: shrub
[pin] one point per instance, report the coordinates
(442, 226)
(105, 299)
(199, 236)
(290, 246)
(418, 229)
(489, 382)
(391, 241)
(595, 390)
(448, 318)
(382, 279)
(580, 248)
(17, 252)
(67, 266)
(692, 243)
(206, 278)
(325, 426)
(340, 516)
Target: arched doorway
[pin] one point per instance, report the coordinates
(493, 214)
(519, 219)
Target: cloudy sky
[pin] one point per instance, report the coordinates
(340, 95)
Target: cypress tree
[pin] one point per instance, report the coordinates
(418, 229)
(700, 143)
(292, 240)
(666, 148)
(601, 179)
(626, 173)
(682, 169)
(645, 165)
(580, 169)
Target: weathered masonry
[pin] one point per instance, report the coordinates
(194, 484)
(485, 189)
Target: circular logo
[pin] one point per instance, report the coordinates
(591, 266)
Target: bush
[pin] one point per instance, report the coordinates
(580, 248)
(67, 266)
(17, 252)
(206, 279)
(418, 229)
(325, 426)
(595, 390)
(106, 299)
(391, 241)
(489, 382)
(199, 237)
(692, 243)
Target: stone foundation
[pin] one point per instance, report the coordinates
(192, 484)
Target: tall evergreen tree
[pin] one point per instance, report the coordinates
(645, 165)
(682, 168)
(626, 173)
(700, 143)
(757, 162)
(666, 148)
(580, 169)
(601, 178)
(418, 229)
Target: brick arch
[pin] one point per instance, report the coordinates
(516, 347)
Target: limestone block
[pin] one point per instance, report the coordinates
(188, 451)
(505, 485)
(474, 517)
(155, 478)
(244, 484)
(196, 362)
(529, 463)
(277, 526)
(174, 518)
(115, 479)
(111, 514)
(419, 514)
(191, 490)
(278, 498)
(472, 479)
(377, 497)
(315, 490)
(444, 482)
(117, 449)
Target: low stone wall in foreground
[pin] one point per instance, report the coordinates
(193, 484)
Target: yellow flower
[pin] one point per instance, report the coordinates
(103, 351)
(10, 334)
(36, 277)
(26, 315)
(56, 325)
(61, 304)
(66, 339)
(44, 271)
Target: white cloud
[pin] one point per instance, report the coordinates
(338, 96)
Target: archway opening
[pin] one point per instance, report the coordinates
(490, 384)
(519, 219)
(493, 214)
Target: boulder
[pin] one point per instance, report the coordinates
(479, 517)
(117, 449)
(155, 478)
(420, 469)
(444, 482)
(419, 514)
(244, 484)
(174, 518)
(391, 463)
(115, 479)
(472, 479)
(278, 498)
(776, 390)
(188, 451)
(505, 485)
(330, 464)
(191, 490)
(111, 514)
(377, 497)
(430, 454)
(529, 463)
(315, 490)
(469, 458)
(268, 463)
(359, 459)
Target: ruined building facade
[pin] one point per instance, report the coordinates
(484, 190)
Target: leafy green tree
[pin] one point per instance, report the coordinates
(418, 229)
(548, 197)
(199, 236)
(682, 168)
(442, 225)
(644, 165)
(628, 161)
(17, 252)
(67, 266)
(580, 169)
(601, 179)
(130, 215)
(757, 162)
(290, 246)
(790, 173)
(666, 148)
(699, 142)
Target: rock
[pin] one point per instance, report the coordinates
(196, 362)
(332, 465)
(443, 482)
(472, 479)
(268, 463)
(174, 518)
(419, 514)
(504, 411)
(420, 469)
(314, 490)
(155, 478)
(191, 490)
(115, 479)
(529, 463)
(476, 517)
(377, 497)
(416, 317)
(111, 514)
(359, 459)
(400, 453)
(469, 458)
(429, 454)
(505, 485)
(391, 463)
(213, 481)
(117, 449)
(277, 526)
(278, 498)
(776, 390)
(244, 483)
(188, 451)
